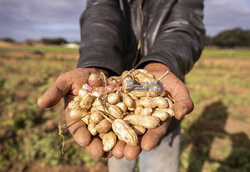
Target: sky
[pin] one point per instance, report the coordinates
(34, 19)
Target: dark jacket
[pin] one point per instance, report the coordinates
(167, 31)
(122, 34)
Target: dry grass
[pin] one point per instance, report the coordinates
(215, 137)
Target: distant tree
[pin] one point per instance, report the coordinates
(8, 40)
(29, 42)
(55, 41)
(232, 38)
(208, 41)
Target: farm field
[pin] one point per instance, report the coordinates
(215, 136)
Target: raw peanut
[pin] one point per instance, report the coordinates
(127, 100)
(131, 113)
(138, 93)
(101, 135)
(114, 98)
(94, 80)
(124, 132)
(139, 130)
(86, 102)
(124, 74)
(92, 129)
(77, 113)
(142, 120)
(160, 102)
(142, 77)
(122, 106)
(153, 94)
(137, 102)
(104, 126)
(146, 102)
(86, 87)
(103, 78)
(109, 141)
(161, 114)
(93, 109)
(132, 96)
(131, 109)
(146, 111)
(75, 104)
(138, 109)
(163, 93)
(95, 94)
(86, 119)
(145, 72)
(127, 82)
(98, 105)
(114, 80)
(82, 93)
(170, 103)
(155, 90)
(115, 111)
(95, 117)
(168, 110)
(140, 88)
(77, 99)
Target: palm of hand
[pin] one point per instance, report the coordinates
(68, 85)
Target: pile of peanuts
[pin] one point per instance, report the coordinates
(124, 108)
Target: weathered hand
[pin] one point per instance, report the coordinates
(183, 105)
(67, 85)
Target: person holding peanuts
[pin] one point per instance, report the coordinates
(119, 35)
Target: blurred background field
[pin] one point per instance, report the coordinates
(215, 136)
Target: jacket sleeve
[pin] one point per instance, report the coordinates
(180, 39)
(101, 35)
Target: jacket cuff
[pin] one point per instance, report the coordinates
(169, 62)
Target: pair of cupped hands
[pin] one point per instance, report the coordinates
(67, 86)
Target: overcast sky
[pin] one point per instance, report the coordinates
(22, 19)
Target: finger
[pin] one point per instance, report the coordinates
(83, 137)
(183, 107)
(95, 149)
(55, 92)
(70, 81)
(118, 150)
(131, 152)
(153, 136)
(79, 131)
(178, 90)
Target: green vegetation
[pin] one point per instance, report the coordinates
(10, 40)
(230, 38)
(215, 52)
(215, 137)
(53, 41)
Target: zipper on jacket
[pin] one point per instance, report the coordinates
(139, 52)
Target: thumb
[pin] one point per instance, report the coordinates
(183, 107)
(55, 92)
